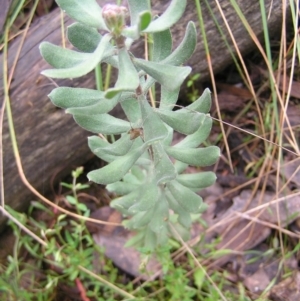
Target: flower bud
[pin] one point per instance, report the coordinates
(114, 17)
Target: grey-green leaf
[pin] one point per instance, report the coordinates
(133, 32)
(168, 140)
(87, 12)
(85, 66)
(123, 203)
(136, 175)
(103, 123)
(150, 239)
(185, 122)
(128, 79)
(202, 104)
(83, 37)
(197, 180)
(59, 57)
(195, 139)
(183, 52)
(162, 45)
(188, 199)
(172, 14)
(167, 75)
(103, 106)
(180, 166)
(195, 156)
(140, 219)
(82, 101)
(184, 217)
(168, 98)
(118, 148)
(160, 216)
(148, 196)
(135, 8)
(67, 97)
(121, 188)
(95, 142)
(117, 169)
(154, 128)
(131, 109)
(185, 49)
(164, 168)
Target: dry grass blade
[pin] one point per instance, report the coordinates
(200, 18)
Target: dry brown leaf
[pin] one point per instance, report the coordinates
(244, 228)
(295, 88)
(287, 290)
(127, 259)
(291, 171)
(113, 239)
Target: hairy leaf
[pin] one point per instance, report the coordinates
(133, 32)
(169, 17)
(96, 142)
(132, 110)
(103, 123)
(197, 180)
(87, 12)
(195, 139)
(167, 75)
(154, 128)
(123, 203)
(86, 39)
(59, 57)
(145, 19)
(150, 239)
(169, 138)
(195, 156)
(188, 199)
(122, 188)
(184, 217)
(104, 106)
(87, 64)
(135, 8)
(148, 196)
(185, 49)
(168, 98)
(82, 101)
(136, 175)
(117, 169)
(128, 79)
(164, 168)
(181, 54)
(140, 219)
(162, 45)
(67, 97)
(118, 148)
(83, 37)
(160, 216)
(202, 104)
(185, 122)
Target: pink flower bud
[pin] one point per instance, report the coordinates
(114, 17)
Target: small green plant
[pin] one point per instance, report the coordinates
(191, 85)
(34, 271)
(140, 171)
(74, 187)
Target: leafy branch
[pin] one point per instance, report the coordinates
(152, 190)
